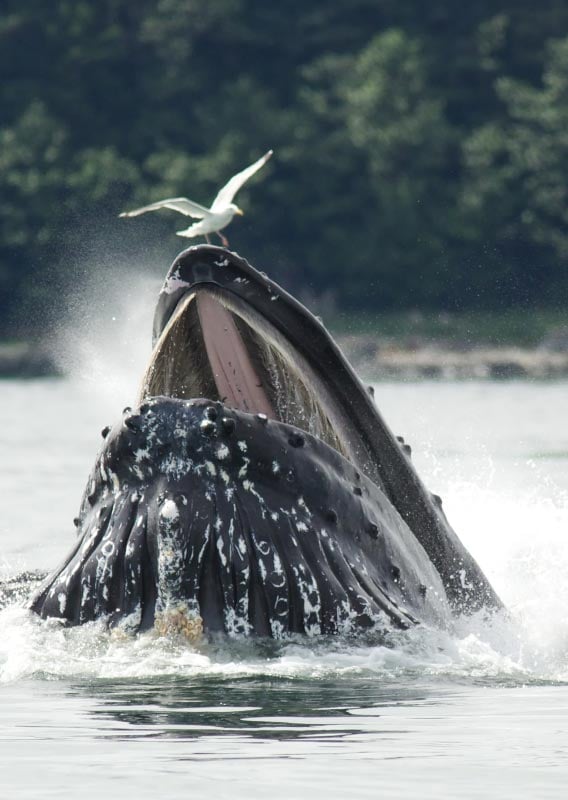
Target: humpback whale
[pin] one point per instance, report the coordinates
(255, 488)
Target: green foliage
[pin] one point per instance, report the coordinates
(398, 123)
(523, 159)
(516, 183)
(421, 149)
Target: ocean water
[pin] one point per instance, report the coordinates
(477, 711)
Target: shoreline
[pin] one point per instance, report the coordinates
(26, 360)
(376, 358)
(391, 360)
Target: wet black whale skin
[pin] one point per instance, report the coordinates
(274, 531)
(207, 267)
(376, 545)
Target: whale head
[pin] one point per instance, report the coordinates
(255, 487)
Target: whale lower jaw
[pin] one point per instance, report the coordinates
(198, 517)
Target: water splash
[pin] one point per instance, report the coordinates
(496, 652)
(511, 515)
(105, 342)
(505, 491)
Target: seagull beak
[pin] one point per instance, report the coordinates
(240, 212)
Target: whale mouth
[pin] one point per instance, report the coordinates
(216, 346)
(254, 525)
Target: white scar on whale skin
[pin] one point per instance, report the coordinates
(235, 618)
(248, 486)
(84, 547)
(279, 572)
(138, 472)
(143, 453)
(223, 452)
(302, 503)
(85, 593)
(114, 480)
(312, 610)
(169, 511)
(173, 283)
(220, 550)
(276, 576)
(176, 466)
(229, 490)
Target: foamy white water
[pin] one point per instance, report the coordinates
(477, 711)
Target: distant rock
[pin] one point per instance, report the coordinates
(26, 360)
(556, 341)
(390, 360)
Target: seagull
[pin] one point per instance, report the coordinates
(211, 220)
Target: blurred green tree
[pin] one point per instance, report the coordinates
(516, 185)
(420, 148)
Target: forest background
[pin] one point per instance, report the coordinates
(421, 149)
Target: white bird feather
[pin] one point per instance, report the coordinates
(181, 204)
(214, 219)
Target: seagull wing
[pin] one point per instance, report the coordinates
(230, 189)
(181, 204)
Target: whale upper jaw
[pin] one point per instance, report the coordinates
(306, 381)
(226, 332)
